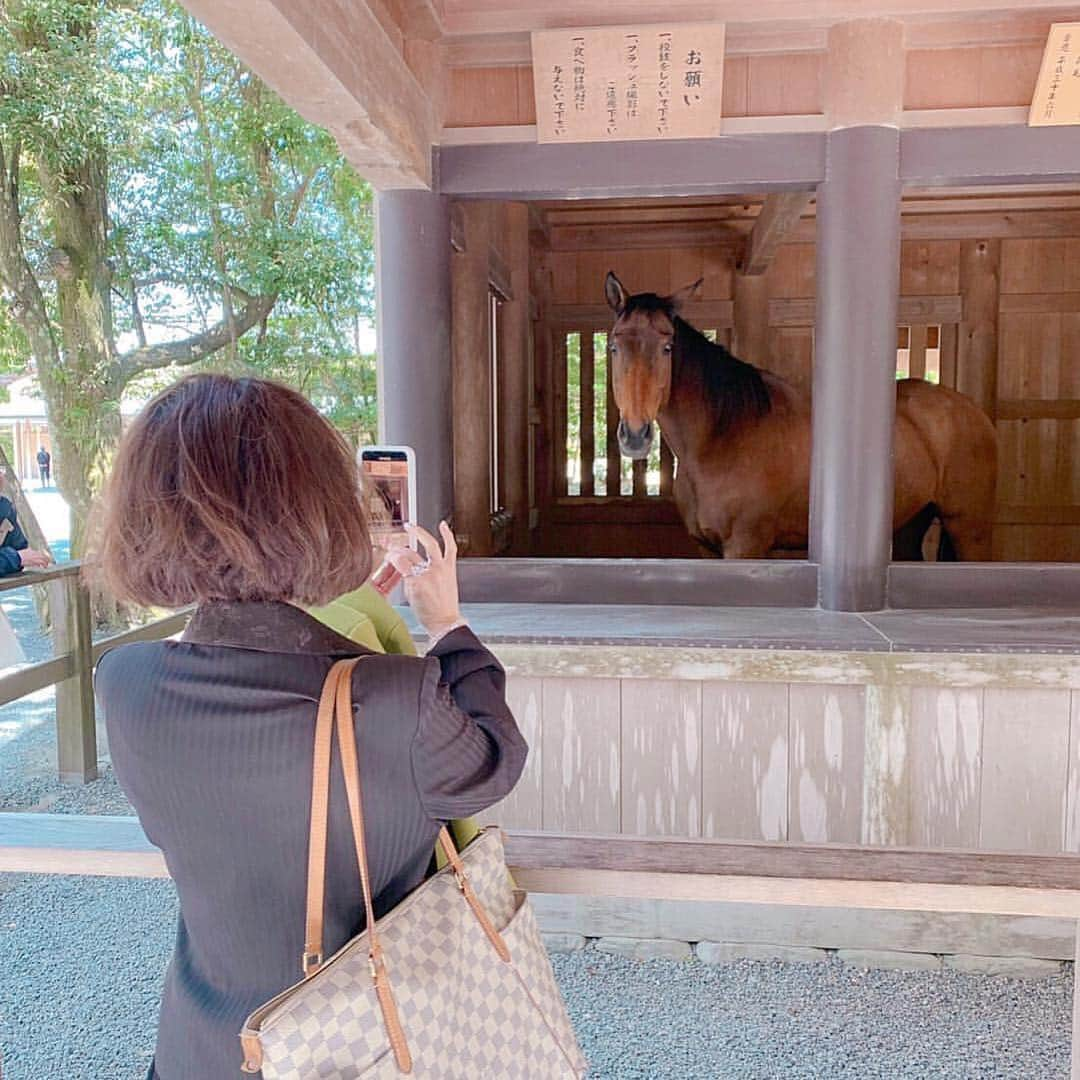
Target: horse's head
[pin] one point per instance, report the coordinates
(640, 348)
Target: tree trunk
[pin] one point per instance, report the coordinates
(83, 419)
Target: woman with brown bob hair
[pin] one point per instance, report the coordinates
(235, 495)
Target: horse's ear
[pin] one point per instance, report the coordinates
(689, 292)
(615, 293)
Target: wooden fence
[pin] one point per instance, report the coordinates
(71, 668)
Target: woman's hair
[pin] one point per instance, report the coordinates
(231, 489)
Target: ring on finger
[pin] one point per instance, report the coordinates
(419, 568)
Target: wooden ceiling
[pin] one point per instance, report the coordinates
(929, 214)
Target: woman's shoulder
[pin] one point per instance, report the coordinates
(122, 662)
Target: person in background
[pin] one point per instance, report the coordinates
(16, 554)
(44, 460)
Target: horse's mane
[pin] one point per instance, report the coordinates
(734, 389)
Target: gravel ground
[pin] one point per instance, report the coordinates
(78, 1000)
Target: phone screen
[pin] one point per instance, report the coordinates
(386, 476)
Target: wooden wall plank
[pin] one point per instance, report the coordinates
(1033, 266)
(940, 78)
(580, 751)
(483, 96)
(744, 760)
(523, 807)
(1029, 361)
(785, 84)
(736, 96)
(1072, 797)
(1025, 763)
(661, 758)
(930, 268)
(826, 775)
(793, 271)
(945, 767)
(791, 354)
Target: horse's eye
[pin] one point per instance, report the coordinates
(667, 349)
(613, 348)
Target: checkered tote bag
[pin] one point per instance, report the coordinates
(453, 984)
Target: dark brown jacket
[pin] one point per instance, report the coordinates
(211, 738)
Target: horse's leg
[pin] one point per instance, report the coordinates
(971, 538)
(750, 540)
(709, 549)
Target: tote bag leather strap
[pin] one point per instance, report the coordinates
(320, 807)
(335, 705)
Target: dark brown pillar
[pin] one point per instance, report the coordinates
(854, 387)
(412, 278)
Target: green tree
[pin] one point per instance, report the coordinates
(159, 206)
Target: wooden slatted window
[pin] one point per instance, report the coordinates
(927, 352)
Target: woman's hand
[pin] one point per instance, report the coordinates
(34, 560)
(430, 583)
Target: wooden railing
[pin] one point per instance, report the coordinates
(71, 668)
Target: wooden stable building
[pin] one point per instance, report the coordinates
(875, 201)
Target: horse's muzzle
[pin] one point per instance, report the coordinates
(635, 444)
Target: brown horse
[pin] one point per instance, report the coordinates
(742, 439)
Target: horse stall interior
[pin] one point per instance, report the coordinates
(989, 284)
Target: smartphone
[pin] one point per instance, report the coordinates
(389, 478)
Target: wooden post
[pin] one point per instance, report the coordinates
(472, 382)
(977, 360)
(514, 391)
(917, 351)
(858, 285)
(76, 728)
(414, 367)
(751, 338)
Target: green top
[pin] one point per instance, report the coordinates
(365, 616)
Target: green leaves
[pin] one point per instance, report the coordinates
(171, 185)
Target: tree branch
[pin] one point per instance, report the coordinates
(197, 347)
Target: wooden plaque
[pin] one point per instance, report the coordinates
(1057, 93)
(613, 83)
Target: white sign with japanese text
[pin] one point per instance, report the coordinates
(1057, 93)
(628, 82)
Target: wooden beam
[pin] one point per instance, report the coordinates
(778, 214)
(925, 310)
(338, 67)
(1038, 409)
(987, 155)
(740, 889)
(705, 313)
(809, 862)
(634, 236)
(731, 164)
